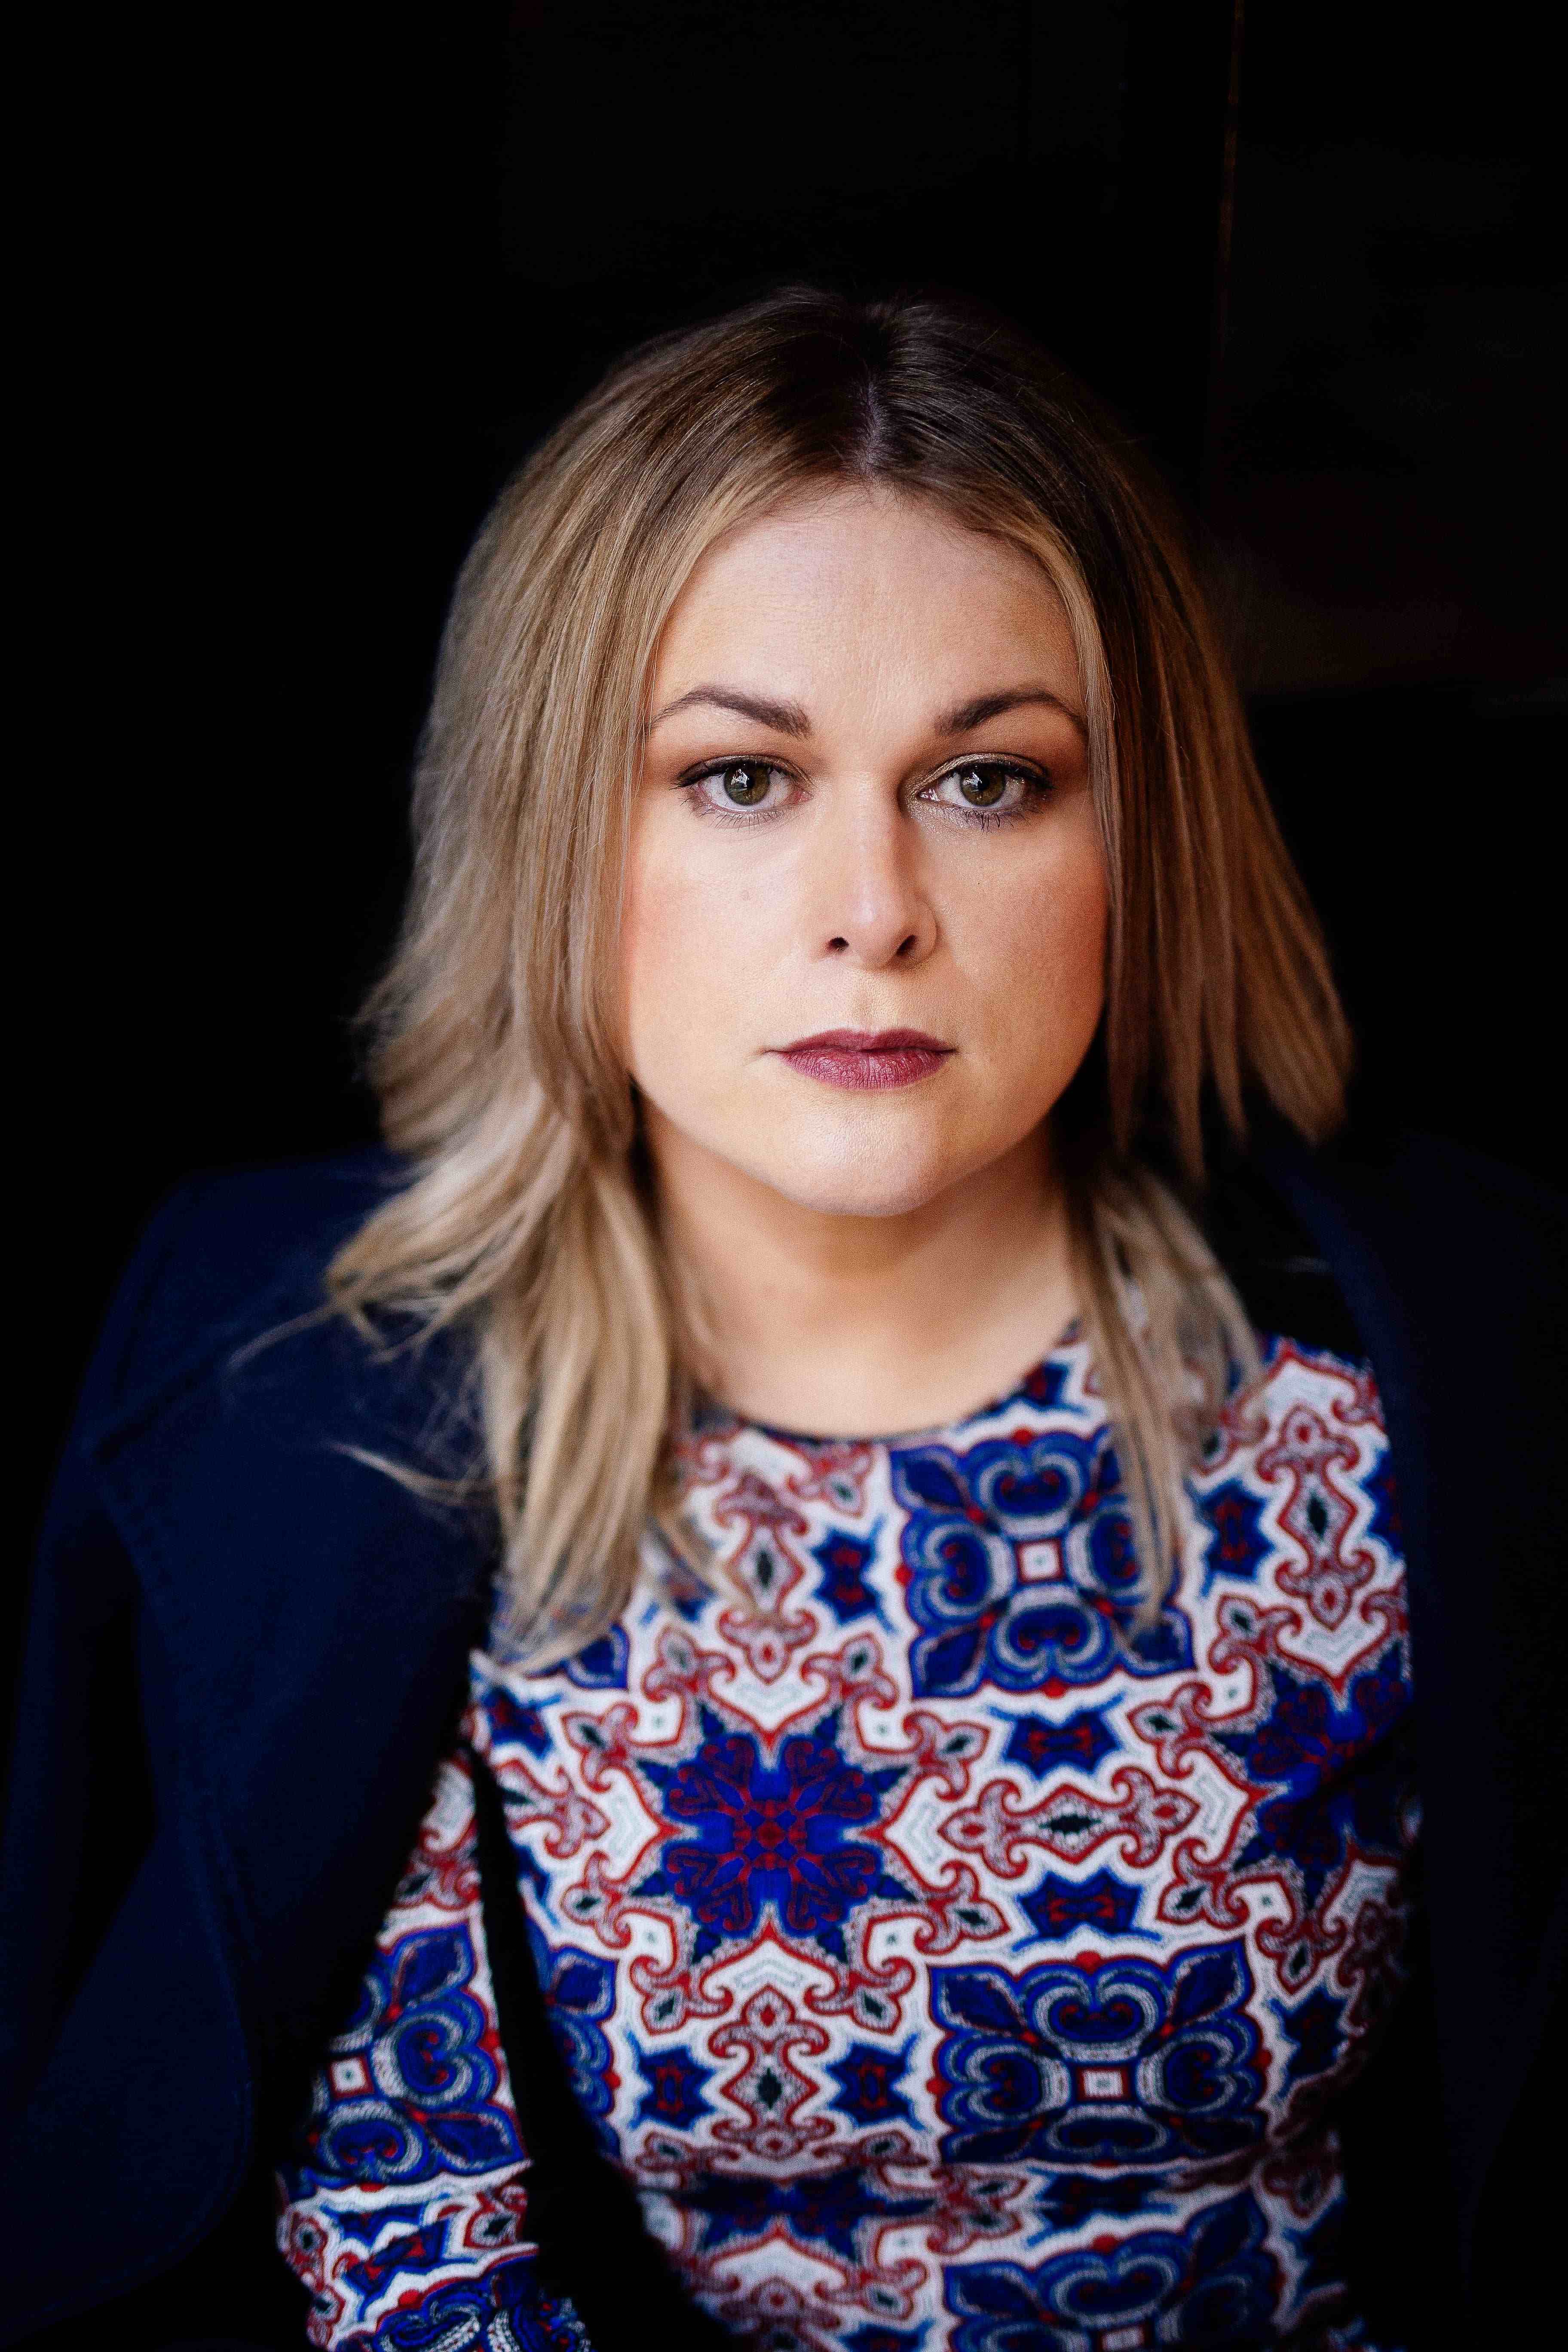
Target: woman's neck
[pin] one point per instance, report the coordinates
(859, 1326)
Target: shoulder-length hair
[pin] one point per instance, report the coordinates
(526, 1218)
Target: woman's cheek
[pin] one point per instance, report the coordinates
(1043, 940)
(693, 961)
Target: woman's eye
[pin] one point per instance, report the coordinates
(740, 785)
(988, 787)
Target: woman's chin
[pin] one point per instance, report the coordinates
(890, 1183)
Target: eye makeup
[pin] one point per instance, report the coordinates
(985, 791)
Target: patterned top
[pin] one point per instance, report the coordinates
(955, 1961)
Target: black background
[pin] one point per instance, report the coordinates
(324, 281)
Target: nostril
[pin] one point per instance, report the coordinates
(838, 946)
(906, 945)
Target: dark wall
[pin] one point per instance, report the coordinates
(1385, 483)
(326, 285)
(1388, 429)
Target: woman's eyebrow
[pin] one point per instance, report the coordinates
(790, 719)
(784, 718)
(965, 715)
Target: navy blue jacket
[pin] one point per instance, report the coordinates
(246, 1653)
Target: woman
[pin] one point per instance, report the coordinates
(774, 1659)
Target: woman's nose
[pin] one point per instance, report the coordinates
(873, 908)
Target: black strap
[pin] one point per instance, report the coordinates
(593, 2245)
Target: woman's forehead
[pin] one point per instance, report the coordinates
(855, 577)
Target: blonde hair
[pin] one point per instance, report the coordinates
(494, 1056)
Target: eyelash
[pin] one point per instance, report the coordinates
(1037, 780)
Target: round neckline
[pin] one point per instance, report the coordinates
(933, 1433)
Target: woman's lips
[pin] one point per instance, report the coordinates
(867, 1059)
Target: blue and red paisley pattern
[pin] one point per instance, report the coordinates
(403, 2207)
(953, 1956)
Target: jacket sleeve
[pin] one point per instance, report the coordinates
(403, 2201)
(68, 1853)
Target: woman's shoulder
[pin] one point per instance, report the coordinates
(1444, 1270)
(228, 1256)
(233, 1427)
(1409, 1169)
(1427, 1231)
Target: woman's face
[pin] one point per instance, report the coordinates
(864, 941)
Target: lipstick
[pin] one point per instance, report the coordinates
(867, 1060)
